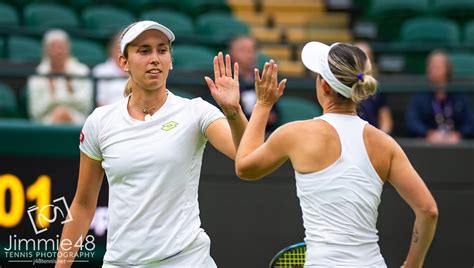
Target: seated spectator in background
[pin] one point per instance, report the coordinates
(440, 116)
(56, 95)
(375, 109)
(111, 78)
(243, 49)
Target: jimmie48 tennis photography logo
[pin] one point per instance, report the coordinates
(36, 250)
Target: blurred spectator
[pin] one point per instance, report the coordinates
(243, 49)
(111, 78)
(56, 95)
(438, 115)
(375, 109)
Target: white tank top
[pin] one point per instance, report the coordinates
(339, 203)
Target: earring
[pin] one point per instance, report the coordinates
(171, 67)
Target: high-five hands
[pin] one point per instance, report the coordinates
(267, 88)
(225, 87)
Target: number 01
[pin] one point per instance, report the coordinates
(39, 191)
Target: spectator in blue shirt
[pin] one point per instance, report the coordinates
(440, 116)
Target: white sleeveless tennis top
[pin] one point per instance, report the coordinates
(339, 203)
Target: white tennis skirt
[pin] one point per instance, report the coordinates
(347, 256)
(197, 254)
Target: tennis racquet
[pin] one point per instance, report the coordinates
(290, 257)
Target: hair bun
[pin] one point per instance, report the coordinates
(363, 88)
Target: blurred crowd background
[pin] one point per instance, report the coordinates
(58, 58)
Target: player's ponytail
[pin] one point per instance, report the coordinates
(128, 88)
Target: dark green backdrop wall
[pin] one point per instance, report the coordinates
(249, 222)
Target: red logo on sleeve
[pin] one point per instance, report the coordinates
(81, 137)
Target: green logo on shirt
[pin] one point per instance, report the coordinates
(169, 126)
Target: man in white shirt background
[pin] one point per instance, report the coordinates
(111, 79)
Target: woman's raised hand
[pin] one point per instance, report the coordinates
(225, 87)
(267, 88)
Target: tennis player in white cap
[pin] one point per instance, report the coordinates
(340, 162)
(150, 146)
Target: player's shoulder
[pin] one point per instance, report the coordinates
(199, 103)
(191, 106)
(313, 126)
(299, 128)
(177, 99)
(379, 139)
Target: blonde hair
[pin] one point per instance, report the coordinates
(351, 66)
(365, 46)
(128, 86)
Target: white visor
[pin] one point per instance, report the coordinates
(315, 58)
(141, 26)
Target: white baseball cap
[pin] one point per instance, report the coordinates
(138, 28)
(315, 58)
